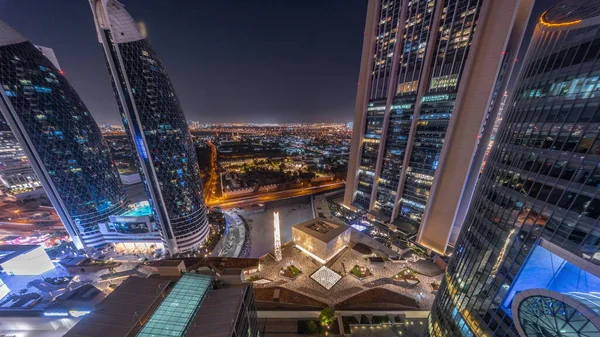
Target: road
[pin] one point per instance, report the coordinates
(231, 244)
(210, 185)
(255, 199)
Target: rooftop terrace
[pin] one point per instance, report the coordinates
(142, 209)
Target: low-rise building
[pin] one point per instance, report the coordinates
(191, 307)
(321, 238)
(24, 260)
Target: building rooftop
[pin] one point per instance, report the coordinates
(82, 299)
(122, 310)
(169, 263)
(8, 252)
(175, 313)
(220, 263)
(138, 307)
(322, 229)
(214, 316)
(73, 261)
(569, 12)
(405, 227)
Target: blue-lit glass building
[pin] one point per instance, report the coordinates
(61, 139)
(527, 261)
(157, 126)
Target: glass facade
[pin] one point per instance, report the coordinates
(16, 173)
(385, 42)
(173, 316)
(368, 163)
(419, 53)
(60, 136)
(533, 221)
(417, 27)
(246, 322)
(457, 24)
(156, 123)
(551, 316)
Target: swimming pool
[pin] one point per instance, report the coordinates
(142, 209)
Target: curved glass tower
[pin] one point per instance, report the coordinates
(155, 121)
(527, 261)
(59, 135)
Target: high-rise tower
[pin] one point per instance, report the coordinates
(155, 121)
(431, 71)
(527, 261)
(59, 135)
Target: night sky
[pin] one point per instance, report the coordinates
(230, 61)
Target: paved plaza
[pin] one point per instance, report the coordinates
(261, 226)
(348, 285)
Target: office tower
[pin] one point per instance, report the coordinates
(430, 73)
(527, 262)
(16, 173)
(155, 121)
(49, 53)
(60, 137)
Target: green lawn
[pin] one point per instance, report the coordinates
(294, 270)
(291, 271)
(360, 272)
(407, 275)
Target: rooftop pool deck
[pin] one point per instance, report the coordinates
(142, 210)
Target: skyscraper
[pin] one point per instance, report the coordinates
(49, 53)
(59, 135)
(527, 262)
(430, 72)
(16, 174)
(155, 121)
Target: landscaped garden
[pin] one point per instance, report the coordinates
(360, 272)
(407, 275)
(258, 280)
(290, 272)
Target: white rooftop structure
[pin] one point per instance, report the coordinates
(326, 277)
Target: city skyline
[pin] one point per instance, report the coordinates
(462, 199)
(205, 105)
(270, 73)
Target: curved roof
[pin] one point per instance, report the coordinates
(544, 312)
(566, 12)
(111, 14)
(592, 299)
